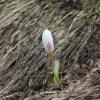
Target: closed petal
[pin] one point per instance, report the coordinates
(56, 67)
(47, 40)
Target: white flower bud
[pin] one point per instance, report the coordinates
(48, 43)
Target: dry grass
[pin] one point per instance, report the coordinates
(23, 61)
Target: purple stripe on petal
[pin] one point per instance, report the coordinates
(49, 47)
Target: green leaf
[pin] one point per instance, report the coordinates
(57, 79)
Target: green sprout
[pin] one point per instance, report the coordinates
(56, 74)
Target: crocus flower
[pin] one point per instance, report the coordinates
(57, 80)
(48, 43)
(56, 67)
